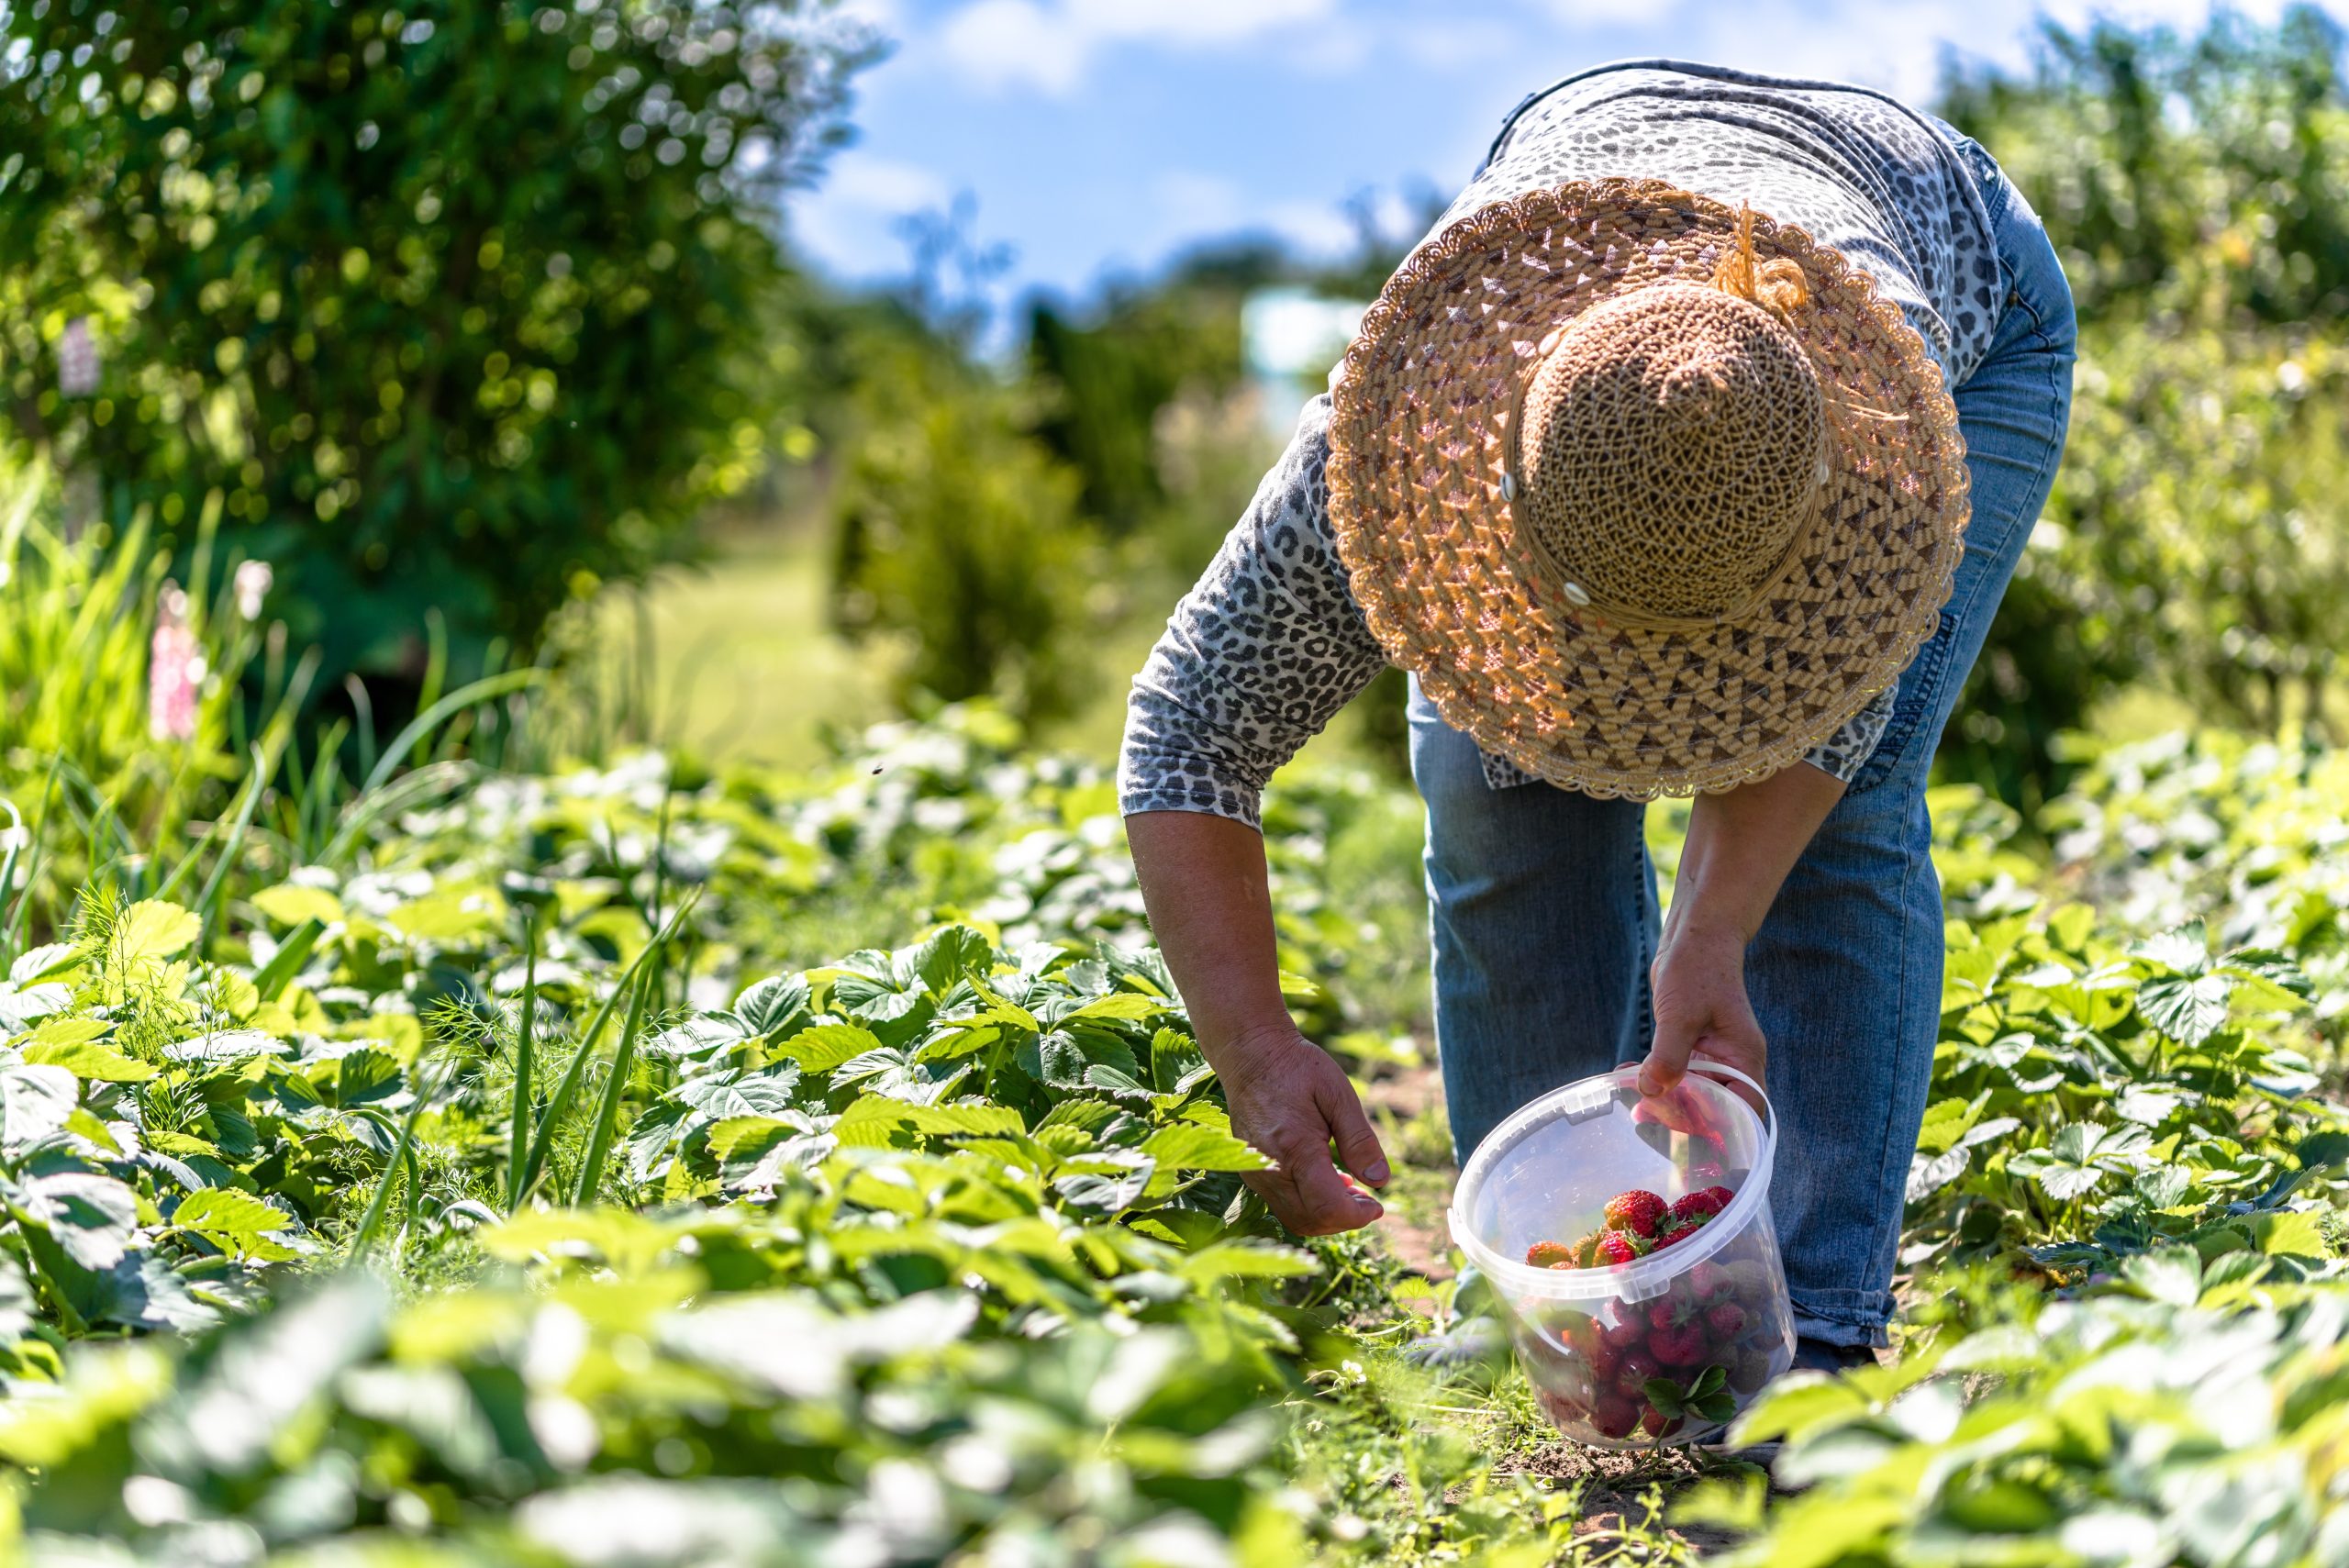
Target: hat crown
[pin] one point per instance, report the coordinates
(1672, 455)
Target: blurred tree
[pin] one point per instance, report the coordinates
(2198, 540)
(959, 531)
(455, 303)
(1106, 381)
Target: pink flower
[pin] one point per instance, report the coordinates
(175, 668)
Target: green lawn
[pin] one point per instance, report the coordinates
(747, 667)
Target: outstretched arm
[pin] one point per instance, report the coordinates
(1203, 878)
(1741, 844)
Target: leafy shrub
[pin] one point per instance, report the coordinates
(961, 534)
(448, 304)
(2194, 187)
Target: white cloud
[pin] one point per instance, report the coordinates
(1047, 44)
(849, 221)
(859, 179)
(1609, 13)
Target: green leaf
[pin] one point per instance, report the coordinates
(236, 1222)
(34, 1102)
(271, 980)
(291, 904)
(1187, 1146)
(1245, 1258)
(2289, 1233)
(827, 1046)
(152, 929)
(1947, 1122)
(1128, 1006)
(771, 1006)
(92, 1061)
(2173, 1275)
(875, 1120)
(71, 1030)
(91, 1216)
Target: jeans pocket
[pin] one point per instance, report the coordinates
(1920, 699)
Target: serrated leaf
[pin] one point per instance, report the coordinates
(1245, 1258)
(92, 1062)
(826, 1046)
(875, 1120)
(91, 1216)
(34, 1102)
(1187, 1146)
(223, 1045)
(696, 1036)
(154, 928)
(38, 963)
(1126, 1006)
(2173, 1275)
(236, 1222)
(768, 1006)
(1946, 1121)
(22, 1006)
(2188, 1008)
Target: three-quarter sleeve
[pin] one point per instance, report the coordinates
(1259, 656)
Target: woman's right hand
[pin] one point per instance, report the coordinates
(1291, 1100)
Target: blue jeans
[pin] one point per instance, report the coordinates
(1544, 906)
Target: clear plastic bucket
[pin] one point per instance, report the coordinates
(1590, 1339)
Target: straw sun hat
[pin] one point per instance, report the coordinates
(1653, 495)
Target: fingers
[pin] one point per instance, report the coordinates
(1667, 1058)
(1305, 1190)
(1326, 1204)
(1357, 1142)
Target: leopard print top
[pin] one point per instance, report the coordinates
(1269, 644)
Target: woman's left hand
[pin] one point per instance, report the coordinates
(1701, 1011)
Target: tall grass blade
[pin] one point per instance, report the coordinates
(273, 977)
(424, 723)
(607, 1111)
(403, 1156)
(518, 1129)
(567, 1088)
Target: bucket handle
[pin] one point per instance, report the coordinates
(1722, 1069)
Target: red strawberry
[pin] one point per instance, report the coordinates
(1663, 1312)
(1615, 1417)
(1576, 1330)
(1623, 1326)
(1655, 1423)
(1631, 1374)
(1606, 1362)
(1683, 1346)
(1703, 1204)
(1550, 1255)
(1707, 1281)
(1615, 1251)
(1671, 1231)
(1636, 1211)
(1727, 1320)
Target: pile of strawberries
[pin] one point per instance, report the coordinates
(1696, 1323)
(1635, 1224)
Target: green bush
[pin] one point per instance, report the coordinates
(961, 533)
(2197, 191)
(457, 306)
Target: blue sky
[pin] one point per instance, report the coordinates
(1097, 136)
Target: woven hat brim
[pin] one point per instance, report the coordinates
(1418, 443)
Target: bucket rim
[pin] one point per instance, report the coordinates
(1643, 1278)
